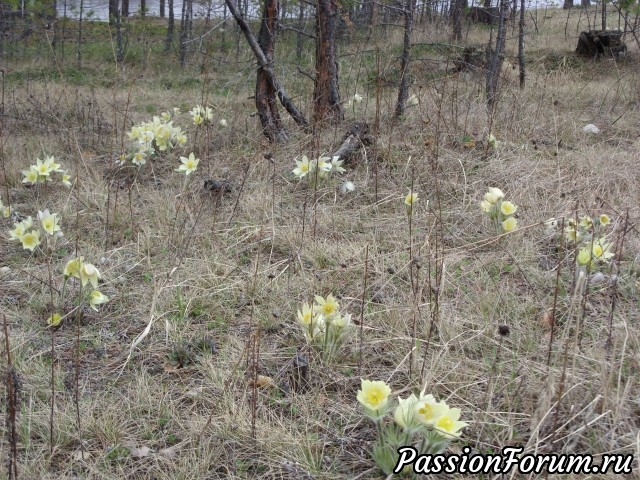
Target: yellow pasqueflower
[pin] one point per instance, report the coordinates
(405, 411)
(96, 298)
(510, 224)
(66, 180)
(508, 208)
(485, 206)
(410, 199)
(572, 233)
(20, 228)
(50, 162)
(586, 221)
(189, 165)
(341, 321)
(49, 222)
(303, 167)
(326, 307)
(73, 268)
(30, 176)
(305, 317)
(493, 195)
(30, 240)
(139, 158)
(54, 320)
(604, 220)
(43, 168)
(428, 410)
(584, 256)
(602, 249)
(89, 273)
(374, 395)
(449, 423)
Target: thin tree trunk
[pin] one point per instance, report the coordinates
(521, 63)
(143, 8)
(185, 22)
(326, 95)
(170, 27)
(567, 4)
(586, 3)
(495, 63)
(457, 19)
(124, 9)
(266, 102)
(300, 38)
(403, 90)
(79, 53)
(604, 14)
(113, 10)
(264, 63)
(162, 8)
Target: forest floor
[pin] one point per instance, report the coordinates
(204, 286)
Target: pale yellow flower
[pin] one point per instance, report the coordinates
(405, 414)
(66, 180)
(139, 158)
(96, 298)
(357, 98)
(602, 249)
(410, 199)
(30, 176)
(30, 240)
(73, 268)
(428, 411)
(449, 423)
(493, 195)
(49, 222)
(584, 256)
(189, 164)
(412, 101)
(342, 321)
(303, 167)
(305, 317)
(572, 233)
(50, 162)
(42, 168)
(89, 274)
(223, 123)
(326, 307)
(510, 224)
(54, 320)
(374, 395)
(604, 220)
(508, 208)
(485, 206)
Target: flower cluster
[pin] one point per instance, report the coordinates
(202, 115)
(5, 210)
(149, 138)
(322, 167)
(323, 323)
(46, 171)
(500, 211)
(590, 238)
(421, 420)
(30, 234)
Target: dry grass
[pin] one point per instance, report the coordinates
(217, 269)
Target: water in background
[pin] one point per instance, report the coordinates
(99, 9)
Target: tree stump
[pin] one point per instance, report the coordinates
(597, 43)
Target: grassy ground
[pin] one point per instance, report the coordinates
(211, 273)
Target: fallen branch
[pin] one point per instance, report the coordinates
(297, 116)
(355, 137)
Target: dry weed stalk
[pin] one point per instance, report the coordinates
(12, 399)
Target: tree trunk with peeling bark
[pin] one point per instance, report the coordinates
(266, 102)
(326, 94)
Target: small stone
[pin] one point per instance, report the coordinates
(591, 128)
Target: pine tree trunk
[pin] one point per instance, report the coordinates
(457, 19)
(403, 90)
(125, 8)
(521, 63)
(170, 27)
(266, 101)
(326, 95)
(162, 8)
(300, 37)
(495, 63)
